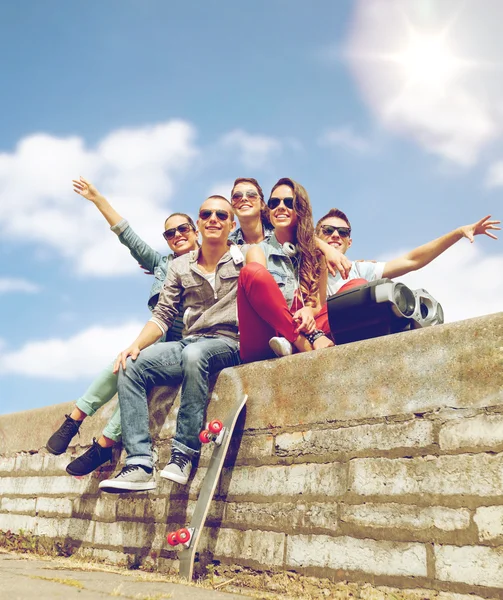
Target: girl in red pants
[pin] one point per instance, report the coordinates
(282, 288)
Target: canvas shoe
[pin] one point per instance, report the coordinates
(90, 460)
(132, 478)
(280, 346)
(179, 467)
(60, 439)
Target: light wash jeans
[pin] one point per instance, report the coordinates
(101, 391)
(190, 362)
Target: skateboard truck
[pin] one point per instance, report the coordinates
(181, 536)
(214, 433)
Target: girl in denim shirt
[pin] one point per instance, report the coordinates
(181, 236)
(283, 286)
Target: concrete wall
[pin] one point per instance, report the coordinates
(379, 461)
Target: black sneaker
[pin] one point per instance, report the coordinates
(90, 460)
(59, 441)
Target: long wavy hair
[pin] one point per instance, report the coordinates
(264, 209)
(309, 260)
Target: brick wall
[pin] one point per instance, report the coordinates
(379, 461)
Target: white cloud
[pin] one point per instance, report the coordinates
(495, 175)
(134, 168)
(431, 72)
(9, 285)
(345, 137)
(253, 150)
(82, 355)
(221, 188)
(465, 280)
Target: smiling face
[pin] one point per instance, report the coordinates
(282, 217)
(214, 228)
(182, 242)
(246, 201)
(335, 239)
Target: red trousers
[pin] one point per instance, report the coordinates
(264, 313)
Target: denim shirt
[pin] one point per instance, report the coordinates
(236, 237)
(281, 267)
(154, 262)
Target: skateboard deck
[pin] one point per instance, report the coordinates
(208, 487)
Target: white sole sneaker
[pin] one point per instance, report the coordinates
(173, 477)
(280, 346)
(127, 486)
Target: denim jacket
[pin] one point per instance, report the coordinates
(281, 267)
(154, 262)
(236, 237)
(208, 311)
(146, 256)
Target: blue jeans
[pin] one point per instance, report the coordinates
(190, 362)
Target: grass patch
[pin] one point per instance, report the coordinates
(71, 582)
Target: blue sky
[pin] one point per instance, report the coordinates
(387, 109)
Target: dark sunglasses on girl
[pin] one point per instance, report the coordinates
(222, 215)
(170, 233)
(344, 232)
(250, 194)
(275, 202)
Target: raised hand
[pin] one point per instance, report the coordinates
(86, 189)
(480, 227)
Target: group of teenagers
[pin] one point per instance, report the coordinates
(226, 294)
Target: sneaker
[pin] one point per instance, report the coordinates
(132, 478)
(90, 460)
(179, 467)
(280, 346)
(59, 440)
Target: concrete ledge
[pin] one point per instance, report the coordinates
(377, 461)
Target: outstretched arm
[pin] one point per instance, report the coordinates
(146, 256)
(423, 255)
(86, 189)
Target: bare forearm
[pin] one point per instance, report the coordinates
(421, 256)
(148, 335)
(107, 210)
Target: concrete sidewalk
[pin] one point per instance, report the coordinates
(23, 577)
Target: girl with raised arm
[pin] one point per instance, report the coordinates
(181, 236)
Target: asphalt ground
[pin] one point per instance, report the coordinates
(24, 577)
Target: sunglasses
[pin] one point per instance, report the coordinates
(275, 202)
(222, 215)
(170, 233)
(344, 232)
(250, 194)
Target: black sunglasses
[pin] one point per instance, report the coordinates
(250, 194)
(222, 215)
(344, 232)
(275, 202)
(170, 233)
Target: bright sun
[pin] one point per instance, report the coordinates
(428, 60)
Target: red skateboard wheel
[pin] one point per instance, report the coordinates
(215, 426)
(171, 538)
(183, 535)
(204, 436)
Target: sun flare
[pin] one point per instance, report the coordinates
(428, 60)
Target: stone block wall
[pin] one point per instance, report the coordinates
(379, 461)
